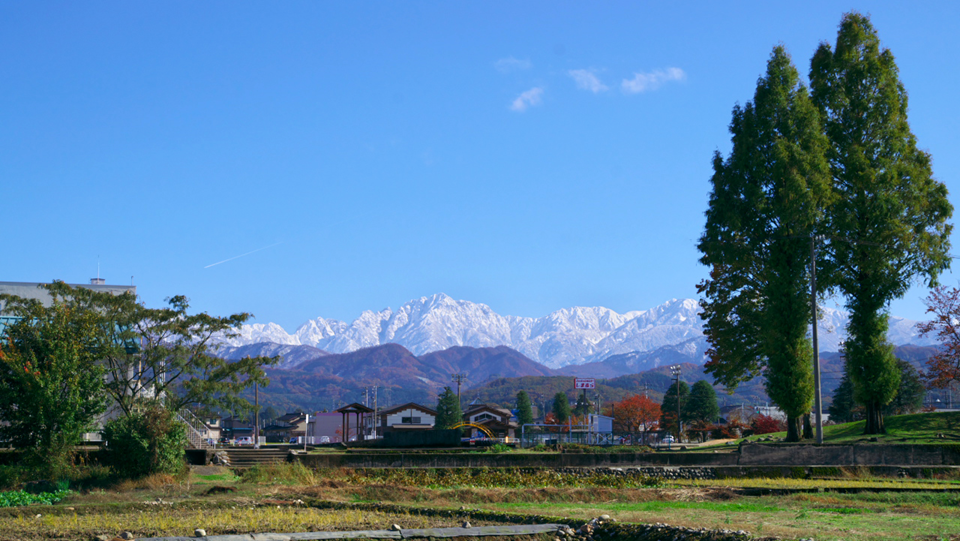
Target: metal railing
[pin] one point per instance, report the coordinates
(539, 436)
(196, 429)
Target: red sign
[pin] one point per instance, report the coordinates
(585, 383)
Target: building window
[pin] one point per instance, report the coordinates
(410, 420)
(482, 417)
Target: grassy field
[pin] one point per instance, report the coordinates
(286, 498)
(915, 428)
(844, 504)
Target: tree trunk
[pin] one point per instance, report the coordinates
(874, 419)
(807, 427)
(793, 428)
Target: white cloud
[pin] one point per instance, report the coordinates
(587, 80)
(527, 99)
(652, 80)
(506, 65)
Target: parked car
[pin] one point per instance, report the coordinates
(245, 440)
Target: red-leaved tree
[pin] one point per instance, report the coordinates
(633, 414)
(764, 424)
(944, 304)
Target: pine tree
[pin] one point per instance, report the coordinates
(702, 404)
(766, 202)
(668, 408)
(448, 410)
(561, 407)
(842, 408)
(524, 409)
(889, 222)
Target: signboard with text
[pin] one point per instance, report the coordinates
(585, 383)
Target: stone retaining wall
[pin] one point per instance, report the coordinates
(512, 460)
(750, 455)
(876, 454)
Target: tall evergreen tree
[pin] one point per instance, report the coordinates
(766, 202)
(524, 409)
(561, 407)
(889, 222)
(842, 408)
(668, 408)
(702, 404)
(911, 392)
(449, 414)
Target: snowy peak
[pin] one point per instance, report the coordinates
(568, 336)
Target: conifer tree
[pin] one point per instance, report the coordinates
(842, 408)
(524, 409)
(702, 404)
(766, 202)
(449, 414)
(561, 407)
(668, 408)
(889, 222)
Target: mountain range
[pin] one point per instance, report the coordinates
(575, 337)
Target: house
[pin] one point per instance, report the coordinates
(233, 428)
(410, 416)
(496, 420)
(285, 427)
(325, 428)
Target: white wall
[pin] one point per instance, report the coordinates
(397, 418)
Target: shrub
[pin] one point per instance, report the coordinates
(146, 442)
(284, 473)
(764, 424)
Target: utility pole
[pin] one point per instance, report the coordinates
(675, 369)
(817, 406)
(375, 411)
(459, 379)
(256, 426)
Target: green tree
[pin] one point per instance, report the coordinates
(889, 222)
(911, 392)
(134, 356)
(702, 403)
(51, 384)
(174, 356)
(524, 409)
(561, 407)
(449, 414)
(842, 409)
(668, 408)
(583, 406)
(766, 202)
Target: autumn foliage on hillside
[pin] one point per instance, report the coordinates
(633, 414)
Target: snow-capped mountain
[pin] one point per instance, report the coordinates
(569, 336)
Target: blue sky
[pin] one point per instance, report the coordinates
(527, 155)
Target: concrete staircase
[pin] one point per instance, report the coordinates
(245, 457)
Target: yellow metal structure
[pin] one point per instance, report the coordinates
(483, 429)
